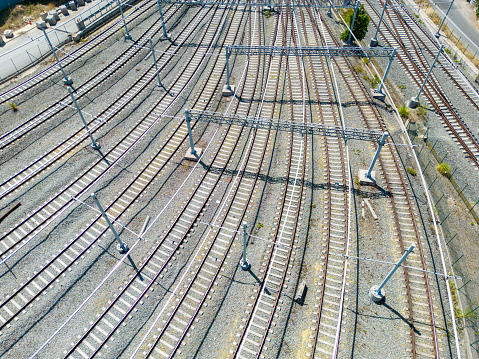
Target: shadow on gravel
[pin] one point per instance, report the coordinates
(394, 311)
(314, 186)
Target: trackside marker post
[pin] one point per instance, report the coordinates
(122, 247)
(375, 292)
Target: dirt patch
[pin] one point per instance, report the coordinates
(15, 17)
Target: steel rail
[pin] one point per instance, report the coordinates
(154, 252)
(429, 95)
(144, 187)
(75, 55)
(100, 120)
(85, 88)
(40, 225)
(326, 146)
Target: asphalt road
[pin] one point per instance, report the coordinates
(461, 18)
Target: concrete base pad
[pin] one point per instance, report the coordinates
(227, 92)
(245, 266)
(67, 81)
(364, 180)
(413, 103)
(378, 95)
(375, 296)
(122, 249)
(373, 42)
(190, 157)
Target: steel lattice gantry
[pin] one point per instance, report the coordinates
(276, 125)
(310, 51)
(268, 4)
(228, 90)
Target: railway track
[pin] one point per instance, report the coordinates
(289, 86)
(411, 58)
(98, 227)
(420, 306)
(69, 146)
(70, 59)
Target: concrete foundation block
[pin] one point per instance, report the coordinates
(80, 24)
(226, 92)
(375, 296)
(378, 95)
(77, 36)
(81, 2)
(365, 180)
(8, 34)
(190, 157)
(413, 103)
(2, 41)
(64, 10)
(44, 16)
(373, 42)
(51, 20)
(301, 293)
(73, 5)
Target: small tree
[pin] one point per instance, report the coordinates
(360, 24)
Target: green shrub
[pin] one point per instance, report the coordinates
(366, 60)
(411, 171)
(444, 169)
(13, 106)
(404, 111)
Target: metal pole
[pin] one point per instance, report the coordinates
(374, 39)
(94, 145)
(354, 19)
(127, 36)
(244, 262)
(387, 70)
(190, 134)
(228, 68)
(375, 293)
(122, 247)
(447, 12)
(415, 101)
(382, 141)
(162, 21)
(330, 10)
(156, 66)
(66, 79)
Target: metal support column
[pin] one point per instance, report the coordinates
(374, 39)
(382, 141)
(354, 19)
(94, 145)
(66, 80)
(375, 292)
(162, 21)
(127, 35)
(330, 10)
(414, 102)
(190, 134)
(156, 65)
(244, 262)
(122, 247)
(378, 94)
(442, 22)
(228, 68)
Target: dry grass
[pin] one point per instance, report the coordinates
(13, 18)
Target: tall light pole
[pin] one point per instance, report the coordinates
(447, 12)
